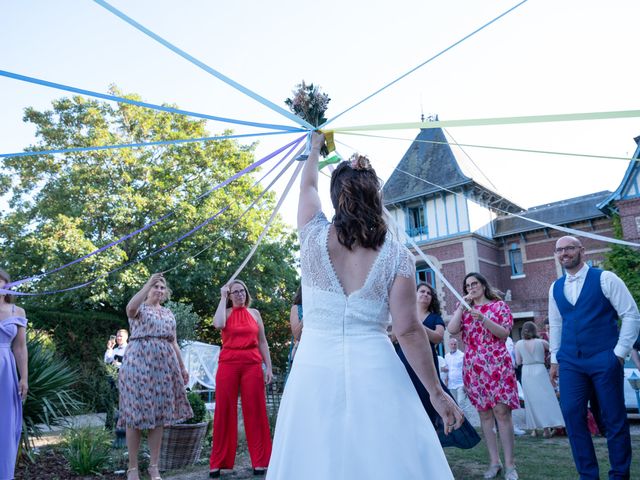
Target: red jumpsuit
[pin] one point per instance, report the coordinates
(240, 369)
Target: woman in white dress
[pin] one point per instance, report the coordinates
(541, 405)
(349, 410)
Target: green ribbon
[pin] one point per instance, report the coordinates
(563, 117)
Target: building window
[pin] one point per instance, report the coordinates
(515, 259)
(425, 275)
(417, 224)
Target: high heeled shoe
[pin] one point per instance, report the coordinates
(214, 473)
(493, 471)
(133, 470)
(511, 473)
(157, 471)
(259, 471)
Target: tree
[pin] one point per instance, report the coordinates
(65, 206)
(624, 261)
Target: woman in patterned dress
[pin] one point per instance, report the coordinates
(488, 370)
(152, 377)
(13, 355)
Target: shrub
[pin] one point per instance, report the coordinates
(186, 321)
(81, 338)
(88, 450)
(50, 396)
(198, 407)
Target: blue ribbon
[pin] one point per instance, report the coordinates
(33, 153)
(204, 66)
(425, 62)
(6, 291)
(162, 108)
(170, 213)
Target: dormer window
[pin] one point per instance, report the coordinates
(417, 225)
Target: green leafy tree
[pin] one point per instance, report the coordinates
(65, 206)
(625, 262)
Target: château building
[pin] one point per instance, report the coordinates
(463, 226)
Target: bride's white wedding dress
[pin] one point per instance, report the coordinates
(349, 410)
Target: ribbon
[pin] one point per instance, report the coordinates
(170, 244)
(237, 220)
(266, 227)
(474, 122)
(491, 147)
(577, 233)
(204, 66)
(33, 153)
(5, 291)
(149, 225)
(425, 62)
(162, 108)
(419, 251)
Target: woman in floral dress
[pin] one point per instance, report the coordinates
(488, 370)
(152, 377)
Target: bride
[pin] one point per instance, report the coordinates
(349, 410)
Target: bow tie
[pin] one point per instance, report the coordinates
(572, 278)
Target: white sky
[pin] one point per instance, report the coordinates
(546, 57)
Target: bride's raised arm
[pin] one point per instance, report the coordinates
(309, 202)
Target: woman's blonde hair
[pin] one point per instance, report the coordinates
(247, 295)
(167, 292)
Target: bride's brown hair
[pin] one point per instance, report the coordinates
(356, 198)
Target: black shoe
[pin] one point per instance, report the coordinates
(259, 471)
(214, 474)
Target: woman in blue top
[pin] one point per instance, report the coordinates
(429, 309)
(428, 306)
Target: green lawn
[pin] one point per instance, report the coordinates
(536, 458)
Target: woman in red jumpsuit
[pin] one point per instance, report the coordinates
(244, 349)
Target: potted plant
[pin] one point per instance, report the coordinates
(182, 443)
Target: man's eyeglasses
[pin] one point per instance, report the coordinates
(237, 292)
(568, 249)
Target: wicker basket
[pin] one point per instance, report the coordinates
(181, 445)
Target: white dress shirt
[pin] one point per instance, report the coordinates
(454, 363)
(615, 291)
(109, 355)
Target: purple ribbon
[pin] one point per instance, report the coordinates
(81, 285)
(149, 225)
(170, 244)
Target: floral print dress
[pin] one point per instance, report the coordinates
(488, 372)
(152, 391)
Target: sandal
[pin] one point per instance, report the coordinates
(133, 470)
(549, 432)
(493, 471)
(511, 473)
(151, 475)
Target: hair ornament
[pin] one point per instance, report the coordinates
(359, 162)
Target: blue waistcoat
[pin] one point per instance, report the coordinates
(591, 325)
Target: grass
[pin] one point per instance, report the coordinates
(536, 459)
